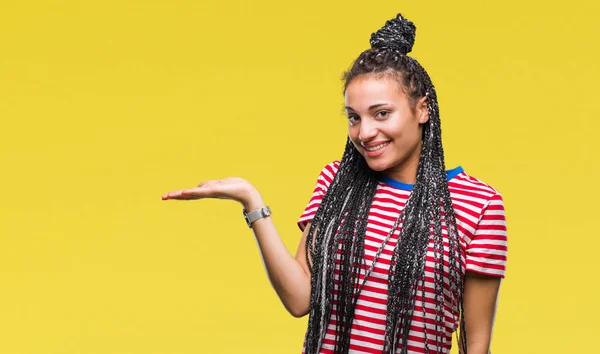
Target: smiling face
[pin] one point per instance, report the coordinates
(385, 126)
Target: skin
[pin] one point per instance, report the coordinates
(378, 112)
(481, 293)
(289, 276)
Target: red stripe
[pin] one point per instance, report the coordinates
(462, 187)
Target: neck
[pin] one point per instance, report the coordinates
(406, 171)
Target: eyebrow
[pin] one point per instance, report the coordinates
(370, 108)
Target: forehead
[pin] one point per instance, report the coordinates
(366, 90)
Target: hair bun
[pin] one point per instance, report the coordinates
(398, 33)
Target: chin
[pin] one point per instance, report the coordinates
(377, 165)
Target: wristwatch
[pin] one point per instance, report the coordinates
(257, 214)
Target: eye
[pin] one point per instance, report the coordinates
(353, 119)
(383, 114)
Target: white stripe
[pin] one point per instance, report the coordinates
(485, 270)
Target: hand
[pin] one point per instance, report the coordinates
(233, 188)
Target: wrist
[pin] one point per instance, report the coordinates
(253, 201)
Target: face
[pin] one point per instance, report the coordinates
(383, 127)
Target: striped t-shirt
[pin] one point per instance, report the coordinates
(480, 219)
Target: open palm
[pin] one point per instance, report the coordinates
(228, 188)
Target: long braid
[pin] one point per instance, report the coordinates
(339, 225)
(455, 253)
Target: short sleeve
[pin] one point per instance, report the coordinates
(486, 254)
(323, 182)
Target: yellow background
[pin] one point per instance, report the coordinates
(106, 105)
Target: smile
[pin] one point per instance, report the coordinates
(377, 150)
(378, 147)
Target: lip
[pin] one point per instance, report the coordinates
(374, 143)
(378, 152)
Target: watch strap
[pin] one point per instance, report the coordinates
(256, 215)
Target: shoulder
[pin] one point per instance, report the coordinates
(329, 171)
(473, 193)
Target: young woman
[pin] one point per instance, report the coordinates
(396, 252)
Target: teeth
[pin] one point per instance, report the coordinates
(378, 147)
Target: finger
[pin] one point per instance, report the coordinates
(185, 197)
(172, 195)
(189, 197)
(198, 192)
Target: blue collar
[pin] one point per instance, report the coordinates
(408, 187)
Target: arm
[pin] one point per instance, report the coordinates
(480, 296)
(486, 266)
(289, 276)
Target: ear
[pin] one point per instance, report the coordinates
(421, 110)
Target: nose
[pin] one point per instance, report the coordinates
(367, 130)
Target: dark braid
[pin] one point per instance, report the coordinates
(341, 223)
(341, 220)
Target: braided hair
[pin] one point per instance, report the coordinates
(339, 225)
